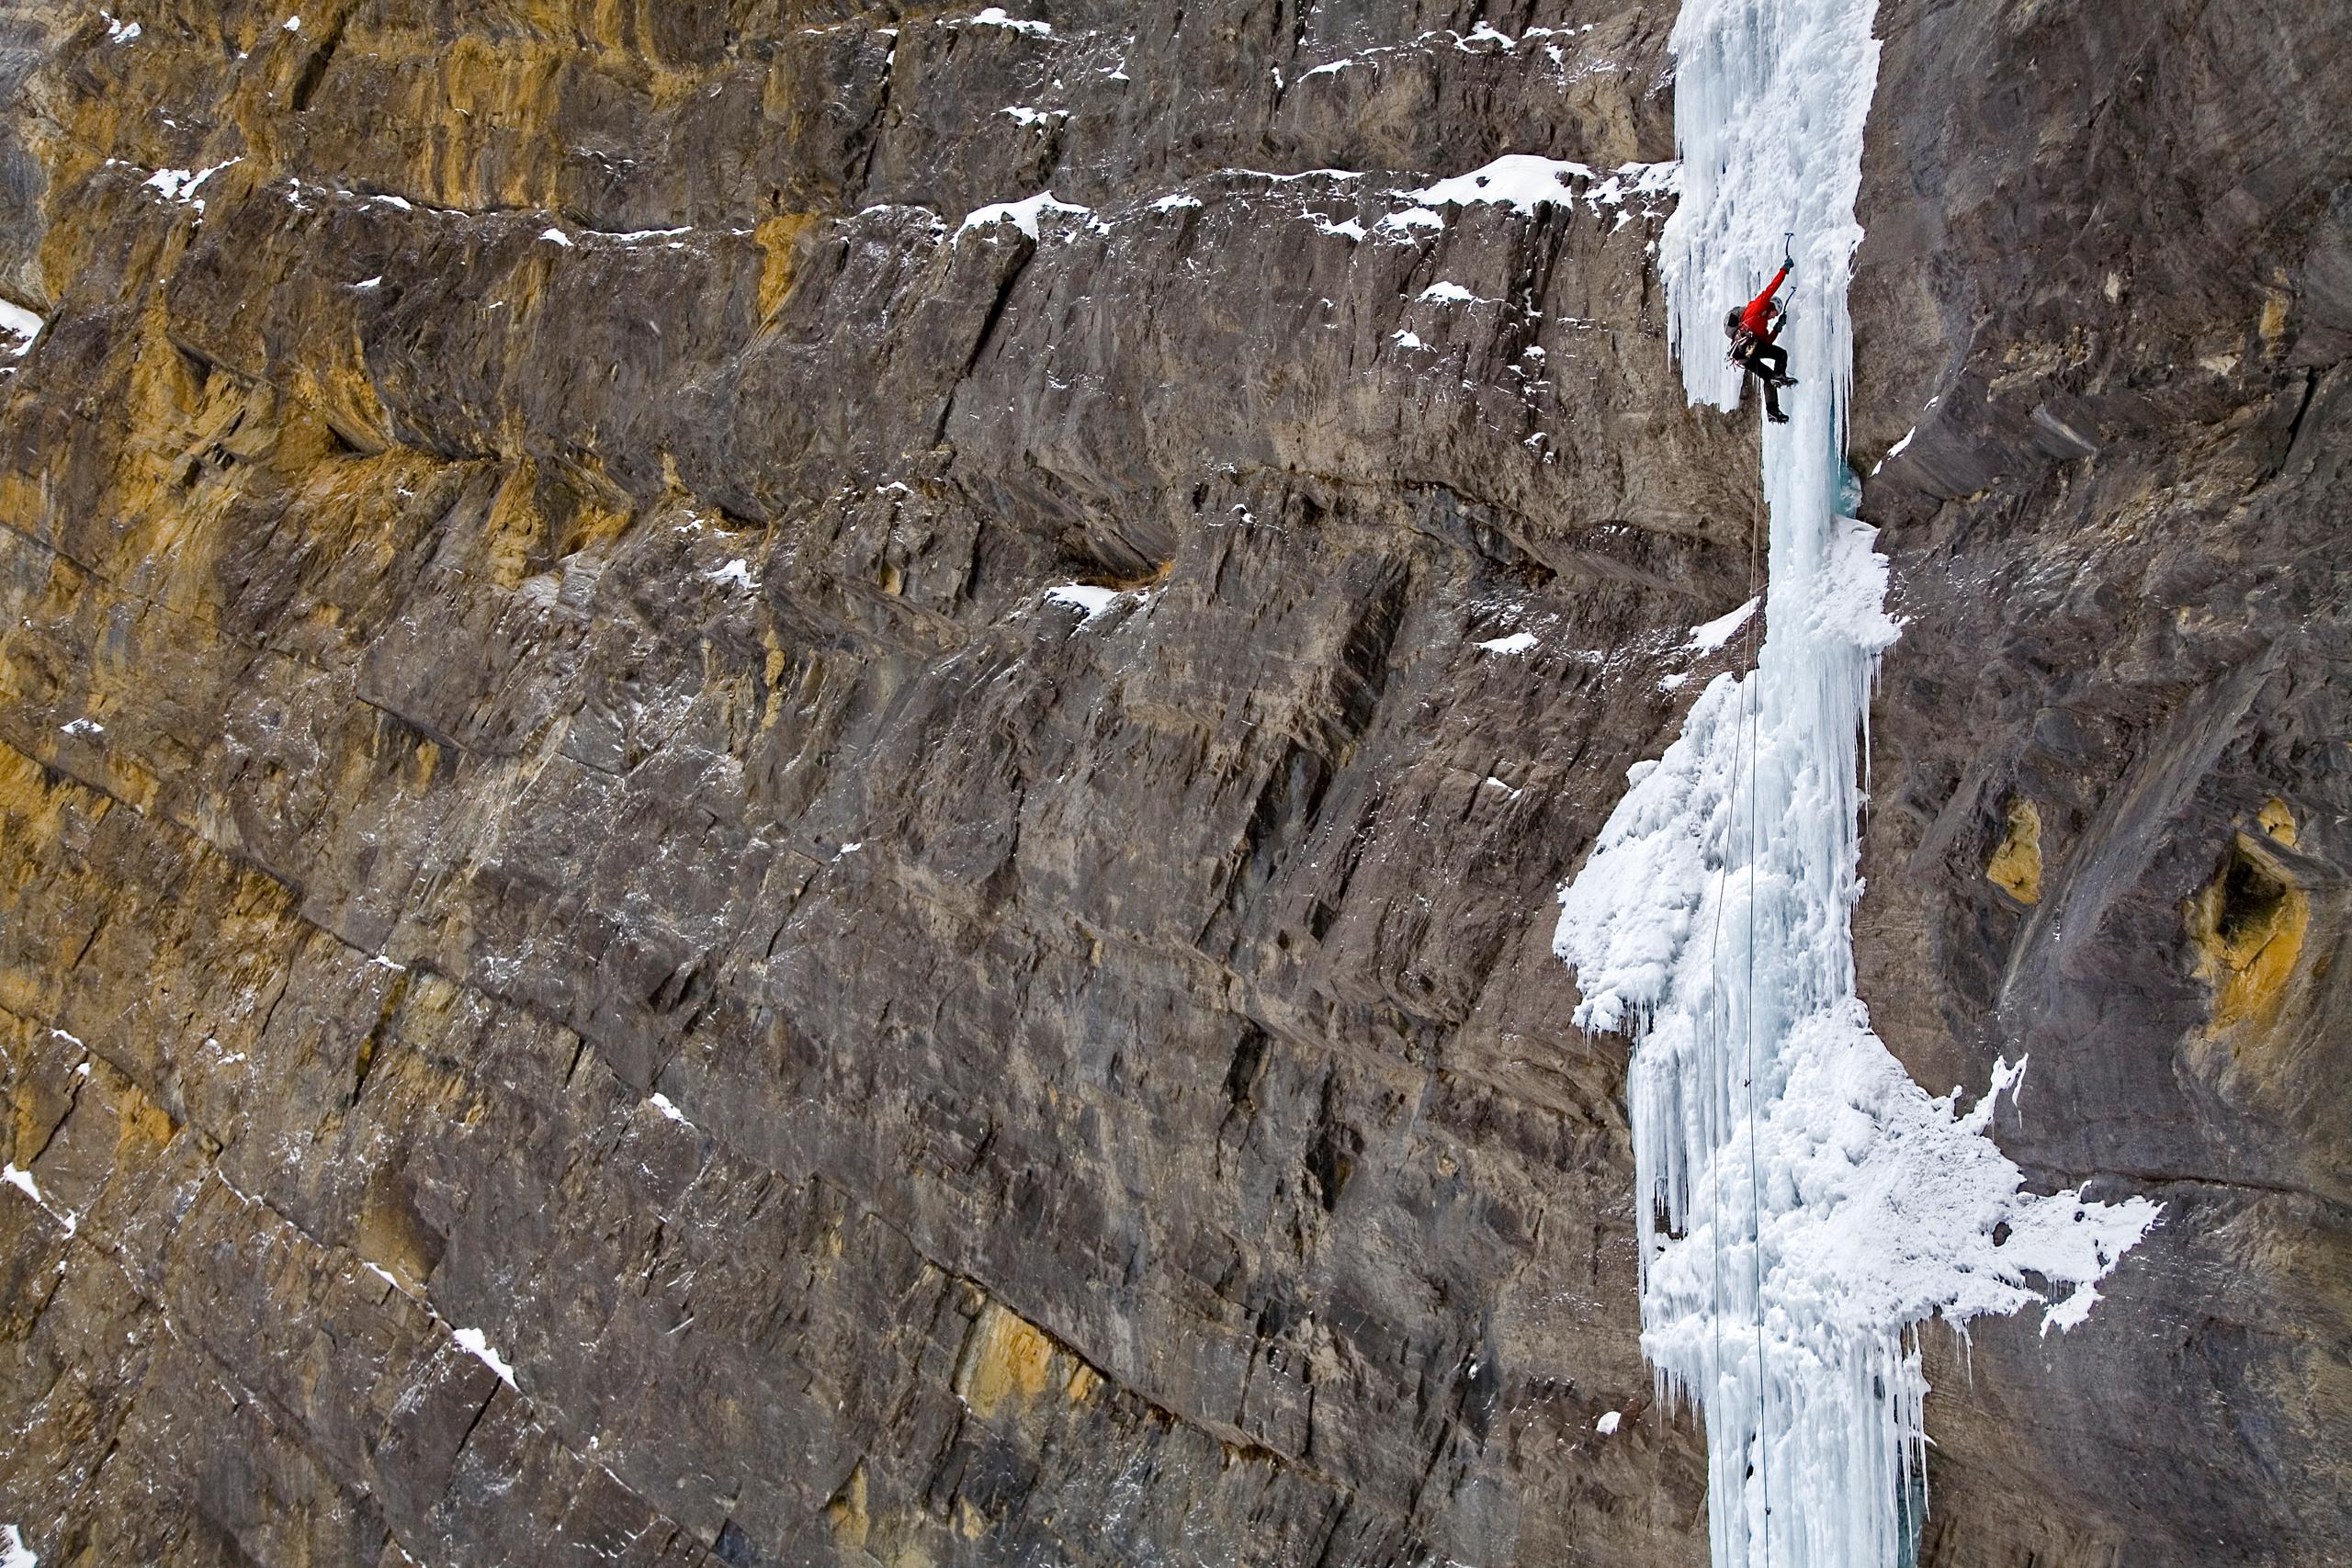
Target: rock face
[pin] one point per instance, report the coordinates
(592, 966)
(2117, 312)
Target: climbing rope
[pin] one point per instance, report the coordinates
(1755, 1187)
(1743, 753)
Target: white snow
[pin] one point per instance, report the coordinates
(118, 32)
(662, 1102)
(14, 1553)
(556, 237)
(737, 572)
(1170, 203)
(477, 1344)
(1345, 229)
(1897, 450)
(1412, 217)
(22, 1180)
(181, 186)
(365, 284)
(1802, 1205)
(1085, 597)
(1524, 182)
(1446, 294)
(995, 17)
(1423, 44)
(1518, 180)
(1297, 174)
(1607, 1425)
(1517, 642)
(1628, 181)
(1023, 115)
(1023, 215)
(1409, 340)
(293, 24)
(82, 727)
(1722, 630)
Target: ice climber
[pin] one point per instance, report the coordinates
(1751, 332)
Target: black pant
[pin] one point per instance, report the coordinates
(1767, 362)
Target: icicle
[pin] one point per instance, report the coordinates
(1818, 1204)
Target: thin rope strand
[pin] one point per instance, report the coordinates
(1755, 1187)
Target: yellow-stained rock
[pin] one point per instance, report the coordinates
(776, 236)
(145, 1125)
(2015, 866)
(1006, 1357)
(2247, 927)
(846, 1513)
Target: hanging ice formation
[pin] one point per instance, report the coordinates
(1802, 1205)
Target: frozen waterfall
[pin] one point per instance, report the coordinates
(1803, 1205)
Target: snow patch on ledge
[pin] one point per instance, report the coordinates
(996, 17)
(1023, 215)
(21, 324)
(1722, 630)
(1897, 450)
(1524, 182)
(181, 185)
(1088, 598)
(22, 1180)
(475, 1343)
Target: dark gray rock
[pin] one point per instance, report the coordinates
(598, 840)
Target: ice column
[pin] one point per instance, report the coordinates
(1801, 1204)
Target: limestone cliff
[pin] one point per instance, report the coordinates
(594, 967)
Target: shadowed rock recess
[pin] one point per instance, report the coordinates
(592, 970)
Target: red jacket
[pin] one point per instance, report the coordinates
(1756, 319)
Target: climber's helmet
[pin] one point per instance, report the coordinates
(1731, 322)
